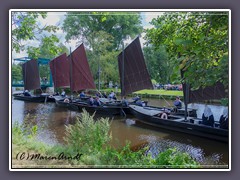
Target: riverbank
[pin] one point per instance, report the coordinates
(87, 146)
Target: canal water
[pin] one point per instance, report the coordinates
(51, 121)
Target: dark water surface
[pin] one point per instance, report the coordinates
(51, 121)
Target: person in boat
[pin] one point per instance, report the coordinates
(125, 102)
(26, 93)
(111, 95)
(82, 94)
(224, 119)
(45, 80)
(91, 101)
(98, 94)
(97, 102)
(136, 99)
(104, 95)
(140, 103)
(63, 93)
(177, 103)
(207, 117)
(114, 97)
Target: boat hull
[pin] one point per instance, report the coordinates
(178, 123)
(30, 98)
(104, 109)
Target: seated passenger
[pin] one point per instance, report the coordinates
(125, 102)
(82, 95)
(104, 95)
(91, 101)
(207, 117)
(224, 119)
(136, 98)
(114, 97)
(177, 103)
(97, 102)
(140, 103)
(63, 93)
(111, 95)
(26, 93)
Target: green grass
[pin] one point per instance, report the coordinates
(160, 92)
(150, 92)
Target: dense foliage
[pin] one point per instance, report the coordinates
(17, 72)
(25, 27)
(49, 48)
(197, 43)
(84, 26)
(158, 64)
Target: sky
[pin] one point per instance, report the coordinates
(57, 18)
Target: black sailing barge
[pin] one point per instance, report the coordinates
(157, 117)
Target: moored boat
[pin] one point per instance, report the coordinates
(159, 117)
(32, 98)
(31, 81)
(102, 109)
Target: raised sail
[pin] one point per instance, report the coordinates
(216, 91)
(60, 71)
(31, 76)
(81, 76)
(133, 72)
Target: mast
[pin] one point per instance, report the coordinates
(71, 71)
(122, 85)
(186, 100)
(39, 79)
(25, 79)
(54, 67)
(122, 88)
(98, 73)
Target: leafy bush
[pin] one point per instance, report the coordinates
(88, 135)
(172, 158)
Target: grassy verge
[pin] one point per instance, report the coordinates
(87, 146)
(150, 92)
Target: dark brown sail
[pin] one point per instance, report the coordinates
(81, 76)
(216, 91)
(31, 76)
(132, 69)
(60, 71)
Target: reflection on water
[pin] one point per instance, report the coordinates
(51, 121)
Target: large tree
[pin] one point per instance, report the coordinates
(49, 48)
(197, 42)
(25, 27)
(16, 72)
(106, 60)
(159, 67)
(120, 25)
